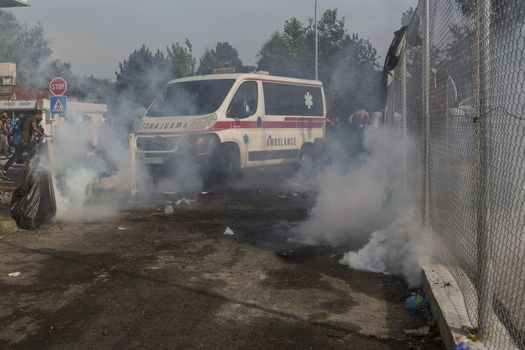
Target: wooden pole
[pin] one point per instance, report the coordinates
(133, 164)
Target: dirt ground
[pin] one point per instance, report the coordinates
(148, 280)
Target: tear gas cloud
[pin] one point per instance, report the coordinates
(398, 249)
(358, 195)
(86, 166)
(361, 205)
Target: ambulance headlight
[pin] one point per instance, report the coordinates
(205, 144)
(203, 123)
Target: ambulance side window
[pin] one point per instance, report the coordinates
(244, 102)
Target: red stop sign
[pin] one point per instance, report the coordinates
(58, 86)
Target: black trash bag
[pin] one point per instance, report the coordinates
(33, 202)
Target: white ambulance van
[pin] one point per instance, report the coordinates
(227, 122)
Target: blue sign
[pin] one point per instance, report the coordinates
(58, 105)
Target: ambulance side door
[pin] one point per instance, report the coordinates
(245, 110)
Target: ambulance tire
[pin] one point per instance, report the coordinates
(229, 166)
(307, 154)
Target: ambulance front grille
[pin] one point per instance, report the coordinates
(158, 143)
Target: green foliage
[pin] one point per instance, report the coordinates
(141, 76)
(181, 61)
(348, 64)
(406, 17)
(224, 55)
(29, 48)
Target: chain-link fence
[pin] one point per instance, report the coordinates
(459, 92)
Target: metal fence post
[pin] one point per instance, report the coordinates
(426, 119)
(483, 20)
(133, 163)
(404, 120)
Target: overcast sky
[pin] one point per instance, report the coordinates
(95, 35)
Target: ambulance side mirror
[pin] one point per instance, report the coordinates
(237, 110)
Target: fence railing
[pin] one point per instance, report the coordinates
(460, 93)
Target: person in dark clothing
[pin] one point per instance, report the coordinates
(30, 127)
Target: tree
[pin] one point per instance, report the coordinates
(406, 17)
(180, 59)
(224, 55)
(141, 76)
(348, 64)
(27, 47)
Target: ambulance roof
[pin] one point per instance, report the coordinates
(250, 76)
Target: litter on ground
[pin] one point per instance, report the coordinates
(228, 232)
(185, 201)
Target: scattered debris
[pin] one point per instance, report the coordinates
(106, 183)
(168, 209)
(472, 333)
(122, 228)
(301, 252)
(416, 301)
(286, 253)
(337, 256)
(185, 201)
(462, 345)
(14, 274)
(418, 332)
(228, 232)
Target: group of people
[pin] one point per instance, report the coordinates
(5, 129)
(349, 132)
(23, 135)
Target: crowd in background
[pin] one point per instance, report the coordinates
(348, 133)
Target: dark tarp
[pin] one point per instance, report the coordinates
(33, 202)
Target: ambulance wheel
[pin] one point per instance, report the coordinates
(231, 162)
(307, 154)
(229, 166)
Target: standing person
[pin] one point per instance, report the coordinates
(357, 123)
(29, 127)
(4, 134)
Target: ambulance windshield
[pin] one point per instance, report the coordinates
(190, 98)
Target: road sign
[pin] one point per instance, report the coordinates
(58, 105)
(58, 86)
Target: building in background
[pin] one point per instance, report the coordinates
(18, 100)
(13, 3)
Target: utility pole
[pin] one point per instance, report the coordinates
(316, 44)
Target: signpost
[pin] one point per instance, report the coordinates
(58, 102)
(58, 86)
(58, 105)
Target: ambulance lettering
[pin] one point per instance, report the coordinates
(280, 141)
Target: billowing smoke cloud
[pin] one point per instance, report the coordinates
(93, 172)
(84, 166)
(359, 195)
(361, 203)
(399, 249)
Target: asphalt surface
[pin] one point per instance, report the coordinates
(145, 279)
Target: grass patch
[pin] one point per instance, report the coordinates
(7, 225)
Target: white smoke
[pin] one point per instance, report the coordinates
(82, 165)
(357, 196)
(361, 203)
(399, 249)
